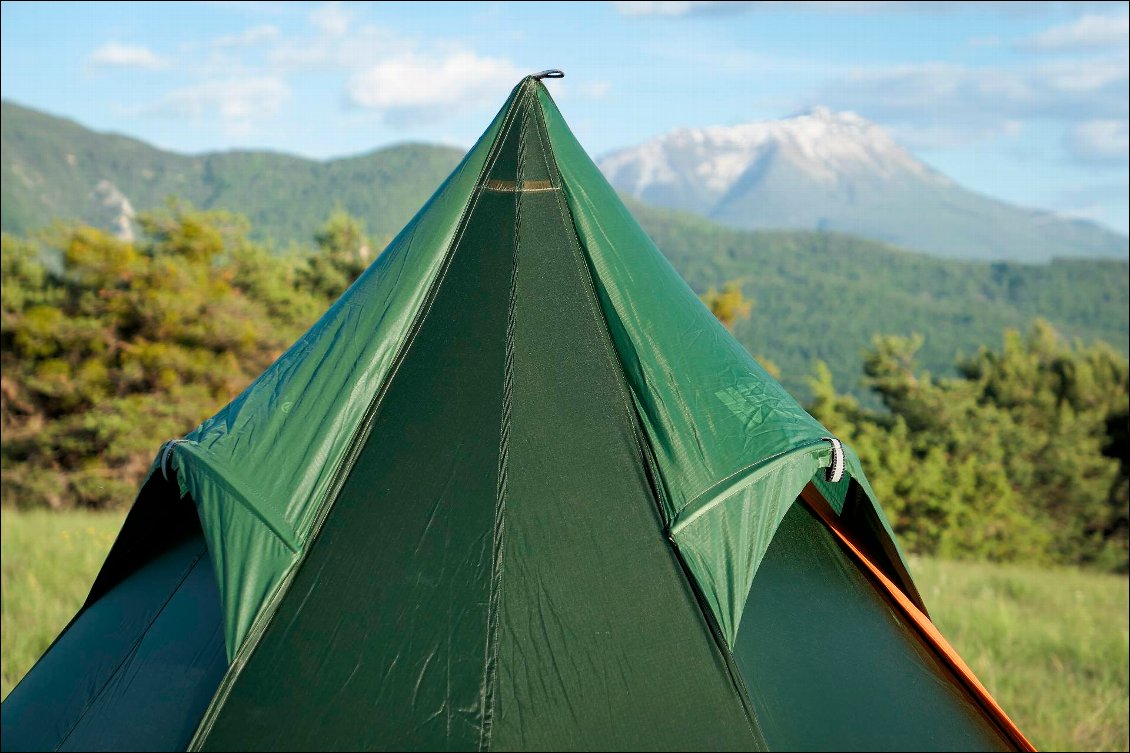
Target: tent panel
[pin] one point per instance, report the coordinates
(134, 670)
(831, 665)
(723, 545)
(601, 644)
(709, 408)
(379, 643)
(300, 417)
(156, 698)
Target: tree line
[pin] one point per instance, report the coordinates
(109, 347)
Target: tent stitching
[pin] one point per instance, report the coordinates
(498, 538)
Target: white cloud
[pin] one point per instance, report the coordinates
(359, 48)
(235, 101)
(413, 88)
(930, 92)
(404, 79)
(331, 18)
(946, 105)
(253, 36)
(1100, 141)
(118, 55)
(935, 135)
(1090, 32)
(1085, 76)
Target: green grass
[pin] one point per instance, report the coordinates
(1052, 645)
(48, 561)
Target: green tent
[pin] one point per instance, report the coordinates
(516, 489)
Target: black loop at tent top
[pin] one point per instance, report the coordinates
(551, 73)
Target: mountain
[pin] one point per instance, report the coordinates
(818, 295)
(823, 171)
(840, 172)
(822, 296)
(52, 168)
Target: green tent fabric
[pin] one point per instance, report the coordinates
(516, 489)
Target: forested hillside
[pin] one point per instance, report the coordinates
(54, 169)
(821, 296)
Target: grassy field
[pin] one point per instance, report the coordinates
(1052, 645)
(47, 562)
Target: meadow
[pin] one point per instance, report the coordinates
(1052, 644)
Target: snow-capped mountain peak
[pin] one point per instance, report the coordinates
(827, 147)
(839, 172)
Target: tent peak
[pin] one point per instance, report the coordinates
(548, 73)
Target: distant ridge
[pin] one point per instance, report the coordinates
(53, 168)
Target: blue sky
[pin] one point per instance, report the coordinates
(1026, 102)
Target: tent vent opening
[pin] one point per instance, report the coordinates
(525, 186)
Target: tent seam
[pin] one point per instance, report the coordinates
(610, 352)
(498, 537)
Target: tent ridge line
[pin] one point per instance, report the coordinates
(267, 612)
